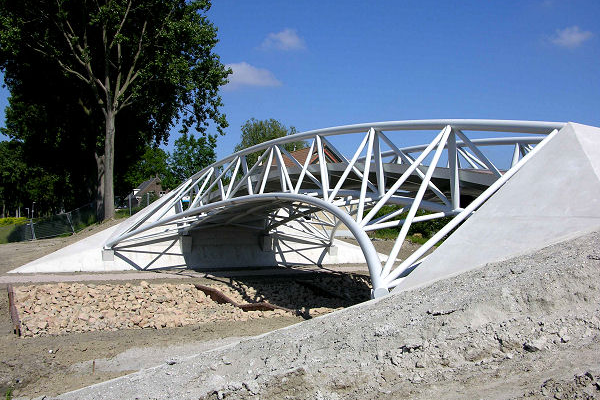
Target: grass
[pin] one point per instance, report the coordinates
(9, 394)
(392, 234)
(124, 213)
(419, 232)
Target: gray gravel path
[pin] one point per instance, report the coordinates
(137, 358)
(173, 274)
(528, 327)
(43, 278)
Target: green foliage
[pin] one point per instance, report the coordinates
(154, 162)
(22, 183)
(258, 131)
(58, 133)
(78, 68)
(12, 172)
(9, 394)
(12, 221)
(156, 52)
(84, 217)
(191, 155)
(122, 213)
(126, 212)
(419, 232)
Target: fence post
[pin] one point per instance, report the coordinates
(70, 222)
(129, 197)
(32, 229)
(147, 199)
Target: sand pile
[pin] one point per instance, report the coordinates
(524, 328)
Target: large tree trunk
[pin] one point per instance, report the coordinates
(109, 163)
(100, 187)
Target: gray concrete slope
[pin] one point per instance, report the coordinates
(554, 196)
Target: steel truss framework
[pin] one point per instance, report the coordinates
(449, 177)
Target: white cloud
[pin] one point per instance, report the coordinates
(570, 37)
(287, 39)
(245, 74)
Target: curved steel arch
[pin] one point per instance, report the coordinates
(279, 189)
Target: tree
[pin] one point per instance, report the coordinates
(154, 56)
(154, 162)
(259, 131)
(58, 134)
(12, 171)
(22, 184)
(191, 155)
(46, 117)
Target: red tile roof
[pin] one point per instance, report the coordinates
(300, 156)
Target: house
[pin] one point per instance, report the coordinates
(146, 192)
(300, 156)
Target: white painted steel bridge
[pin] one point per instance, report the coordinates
(327, 188)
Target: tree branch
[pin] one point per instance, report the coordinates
(109, 101)
(118, 32)
(131, 75)
(78, 52)
(127, 102)
(119, 70)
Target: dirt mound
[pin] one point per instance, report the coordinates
(515, 329)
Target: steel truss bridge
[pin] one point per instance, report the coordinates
(327, 188)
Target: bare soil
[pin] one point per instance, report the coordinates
(525, 328)
(53, 364)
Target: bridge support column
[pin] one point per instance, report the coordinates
(185, 243)
(266, 243)
(108, 255)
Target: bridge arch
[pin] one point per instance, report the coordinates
(377, 184)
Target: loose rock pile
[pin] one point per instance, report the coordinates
(63, 308)
(75, 307)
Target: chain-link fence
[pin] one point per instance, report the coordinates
(46, 227)
(69, 222)
(127, 206)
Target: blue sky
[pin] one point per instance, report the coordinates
(315, 64)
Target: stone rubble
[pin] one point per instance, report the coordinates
(76, 307)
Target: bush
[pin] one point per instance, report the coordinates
(419, 232)
(12, 221)
(15, 233)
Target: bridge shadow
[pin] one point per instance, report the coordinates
(308, 294)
